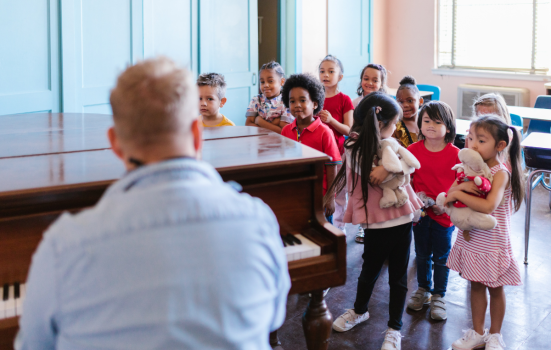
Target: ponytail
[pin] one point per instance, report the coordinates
(364, 142)
(517, 183)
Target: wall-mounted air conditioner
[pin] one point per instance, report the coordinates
(468, 93)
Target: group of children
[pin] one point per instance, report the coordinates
(314, 112)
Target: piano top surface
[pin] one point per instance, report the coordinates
(57, 149)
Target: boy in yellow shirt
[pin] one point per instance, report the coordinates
(212, 91)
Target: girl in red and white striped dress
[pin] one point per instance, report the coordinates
(485, 257)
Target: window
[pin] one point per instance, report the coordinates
(499, 35)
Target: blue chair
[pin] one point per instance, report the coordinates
(543, 101)
(432, 88)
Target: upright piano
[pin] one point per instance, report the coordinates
(55, 162)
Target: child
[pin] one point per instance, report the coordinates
(410, 100)
(433, 233)
(388, 231)
(372, 78)
(267, 110)
(485, 257)
(212, 97)
(337, 113)
(492, 103)
(304, 97)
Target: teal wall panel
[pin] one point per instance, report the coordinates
(100, 39)
(349, 38)
(228, 38)
(29, 56)
(170, 29)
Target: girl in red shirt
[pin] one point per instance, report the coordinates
(337, 114)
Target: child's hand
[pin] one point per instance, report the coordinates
(437, 210)
(325, 116)
(256, 120)
(330, 208)
(470, 187)
(378, 175)
(450, 198)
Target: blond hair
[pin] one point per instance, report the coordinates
(153, 101)
(496, 101)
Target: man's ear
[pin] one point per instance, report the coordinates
(223, 102)
(501, 145)
(197, 131)
(114, 141)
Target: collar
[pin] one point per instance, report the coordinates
(172, 168)
(271, 100)
(312, 127)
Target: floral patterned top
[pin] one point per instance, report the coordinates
(269, 109)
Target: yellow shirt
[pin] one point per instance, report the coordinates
(225, 122)
(401, 134)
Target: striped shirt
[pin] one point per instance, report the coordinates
(488, 257)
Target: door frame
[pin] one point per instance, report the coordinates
(289, 36)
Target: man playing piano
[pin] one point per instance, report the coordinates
(170, 257)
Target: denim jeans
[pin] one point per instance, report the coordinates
(390, 243)
(433, 243)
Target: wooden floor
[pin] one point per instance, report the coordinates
(527, 322)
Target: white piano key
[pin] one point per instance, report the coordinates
(305, 250)
(2, 303)
(10, 304)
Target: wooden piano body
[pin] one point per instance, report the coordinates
(53, 162)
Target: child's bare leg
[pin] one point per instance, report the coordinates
(479, 303)
(497, 308)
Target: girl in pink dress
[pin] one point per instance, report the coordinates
(485, 257)
(387, 231)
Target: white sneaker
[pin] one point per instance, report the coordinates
(470, 340)
(348, 320)
(393, 340)
(494, 342)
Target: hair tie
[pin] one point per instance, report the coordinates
(354, 135)
(510, 133)
(378, 109)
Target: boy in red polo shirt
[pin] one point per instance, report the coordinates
(303, 94)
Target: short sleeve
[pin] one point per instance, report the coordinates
(252, 110)
(330, 147)
(286, 116)
(347, 104)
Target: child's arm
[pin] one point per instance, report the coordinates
(331, 171)
(467, 186)
(344, 127)
(250, 121)
(483, 205)
(267, 125)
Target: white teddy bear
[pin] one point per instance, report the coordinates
(471, 168)
(399, 169)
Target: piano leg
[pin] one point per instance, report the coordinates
(316, 322)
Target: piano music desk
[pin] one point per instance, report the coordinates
(50, 172)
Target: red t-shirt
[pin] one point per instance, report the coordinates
(318, 136)
(338, 105)
(435, 175)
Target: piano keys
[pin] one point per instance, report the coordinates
(11, 303)
(52, 175)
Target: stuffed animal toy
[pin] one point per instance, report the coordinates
(471, 168)
(399, 169)
(427, 203)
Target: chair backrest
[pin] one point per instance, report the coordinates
(433, 88)
(542, 101)
(516, 120)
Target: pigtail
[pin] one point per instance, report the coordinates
(517, 183)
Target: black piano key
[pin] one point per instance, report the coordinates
(288, 240)
(6, 293)
(16, 291)
(296, 240)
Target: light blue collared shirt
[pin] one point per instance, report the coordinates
(171, 257)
